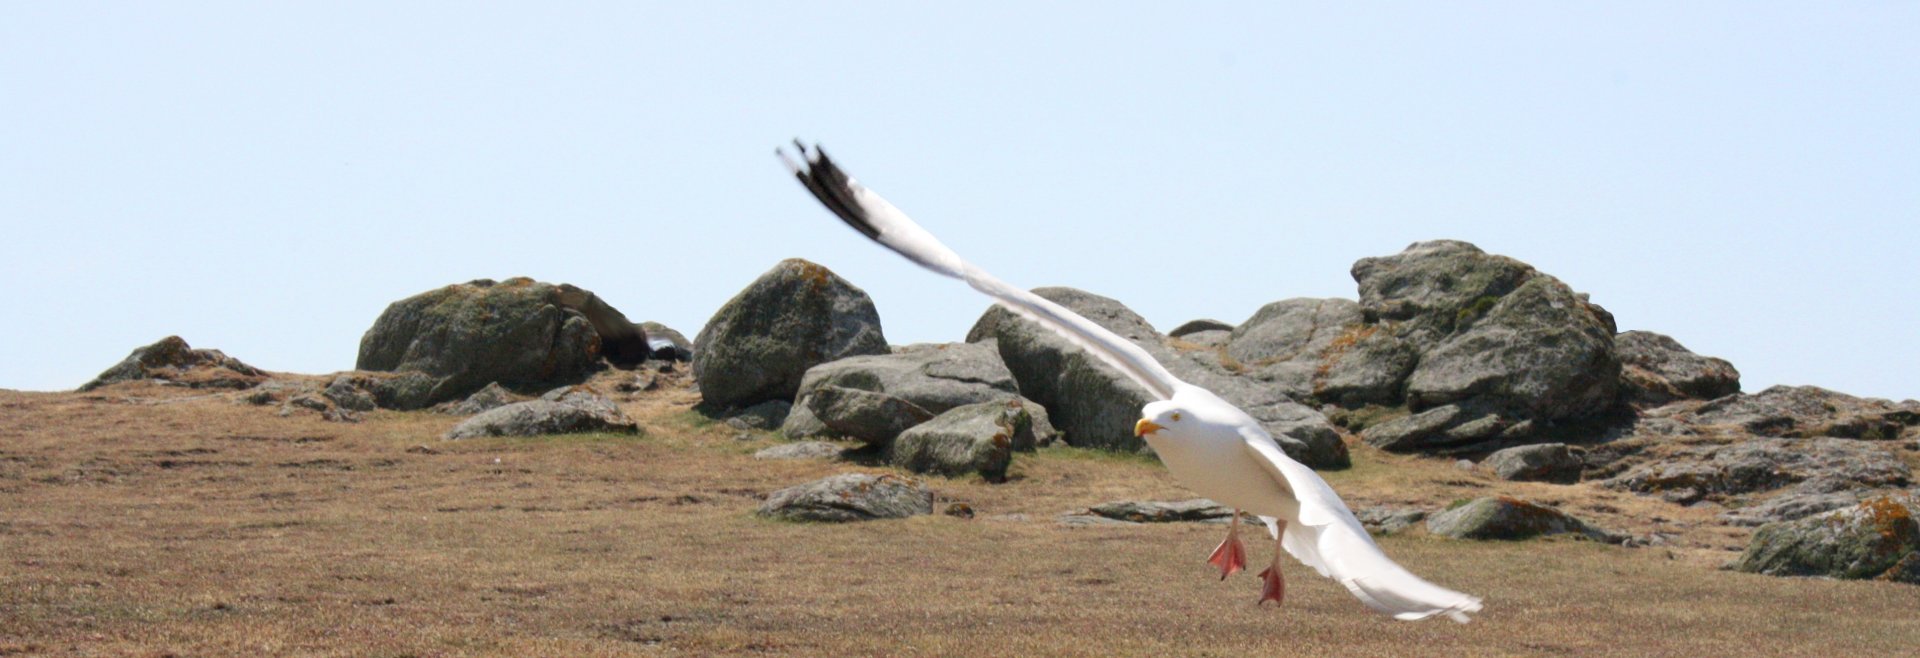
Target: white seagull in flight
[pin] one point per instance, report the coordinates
(1210, 445)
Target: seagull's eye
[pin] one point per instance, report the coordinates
(1176, 415)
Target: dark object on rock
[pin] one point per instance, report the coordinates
(976, 438)
(621, 341)
(802, 450)
(1501, 517)
(1161, 511)
(1876, 539)
(1656, 370)
(1545, 462)
(796, 316)
(517, 332)
(1389, 520)
(850, 497)
(1808, 411)
(173, 361)
(667, 344)
(866, 416)
(570, 413)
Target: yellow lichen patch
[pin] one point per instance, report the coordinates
(818, 277)
(1341, 345)
(1889, 518)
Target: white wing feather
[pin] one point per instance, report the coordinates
(874, 217)
(1328, 537)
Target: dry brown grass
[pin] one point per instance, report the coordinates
(144, 520)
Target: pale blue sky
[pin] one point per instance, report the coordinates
(264, 178)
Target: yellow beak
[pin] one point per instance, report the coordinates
(1145, 427)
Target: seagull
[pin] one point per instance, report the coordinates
(1209, 444)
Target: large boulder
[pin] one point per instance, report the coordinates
(1286, 342)
(1093, 405)
(1876, 539)
(570, 413)
(519, 332)
(173, 361)
(933, 377)
(759, 345)
(850, 497)
(869, 417)
(976, 438)
(1656, 370)
(1537, 350)
(1505, 348)
(1544, 462)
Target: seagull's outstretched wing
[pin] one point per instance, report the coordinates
(873, 217)
(1328, 538)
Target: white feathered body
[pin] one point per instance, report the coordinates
(1222, 453)
(1207, 454)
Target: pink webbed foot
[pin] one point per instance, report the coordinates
(1230, 557)
(1272, 587)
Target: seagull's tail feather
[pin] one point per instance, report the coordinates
(1348, 555)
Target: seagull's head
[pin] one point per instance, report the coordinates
(1159, 416)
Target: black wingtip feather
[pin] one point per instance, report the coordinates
(833, 188)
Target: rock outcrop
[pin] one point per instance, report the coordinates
(798, 315)
(519, 332)
(1689, 473)
(171, 360)
(1544, 462)
(1876, 539)
(1656, 370)
(570, 412)
(1808, 411)
(1501, 517)
(976, 438)
(850, 497)
(933, 377)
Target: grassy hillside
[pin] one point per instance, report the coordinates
(149, 520)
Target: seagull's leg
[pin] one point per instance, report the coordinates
(1231, 556)
(1272, 586)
